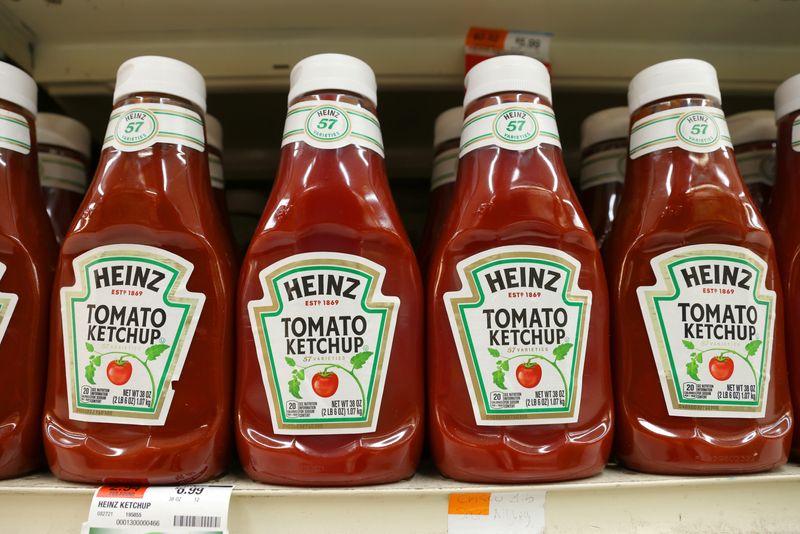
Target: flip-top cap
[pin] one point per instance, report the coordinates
(448, 125)
(17, 87)
(787, 97)
(213, 132)
(750, 126)
(604, 125)
(502, 74)
(60, 130)
(337, 72)
(157, 74)
(673, 78)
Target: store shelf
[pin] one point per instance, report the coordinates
(615, 501)
(75, 47)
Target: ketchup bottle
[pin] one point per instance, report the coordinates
(518, 366)
(604, 149)
(27, 258)
(700, 372)
(782, 216)
(329, 376)
(446, 133)
(139, 388)
(753, 134)
(64, 152)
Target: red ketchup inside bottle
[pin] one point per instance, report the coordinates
(518, 364)
(697, 323)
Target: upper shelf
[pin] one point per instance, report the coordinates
(75, 47)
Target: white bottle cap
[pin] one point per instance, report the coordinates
(17, 87)
(213, 132)
(750, 126)
(673, 78)
(611, 123)
(448, 125)
(63, 131)
(157, 74)
(504, 74)
(787, 97)
(336, 72)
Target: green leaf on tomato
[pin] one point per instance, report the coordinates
(360, 359)
(155, 351)
(499, 378)
(494, 352)
(290, 362)
(89, 347)
(294, 388)
(561, 351)
(96, 361)
(752, 347)
(691, 370)
(688, 344)
(89, 371)
(504, 365)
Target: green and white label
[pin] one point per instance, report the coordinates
(323, 333)
(128, 323)
(15, 134)
(710, 321)
(515, 126)
(8, 301)
(796, 134)
(215, 171)
(757, 166)
(605, 167)
(330, 124)
(700, 129)
(520, 324)
(445, 168)
(138, 126)
(62, 172)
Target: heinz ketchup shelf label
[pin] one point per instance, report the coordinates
(324, 335)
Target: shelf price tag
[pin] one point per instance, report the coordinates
(509, 513)
(201, 509)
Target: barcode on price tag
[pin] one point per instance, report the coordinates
(489, 513)
(200, 509)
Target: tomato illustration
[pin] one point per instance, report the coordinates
(119, 372)
(721, 368)
(529, 375)
(325, 384)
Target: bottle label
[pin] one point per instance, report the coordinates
(796, 134)
(757, 166)
(138, 126)
(330, 124)
(700, 129)
(128, 323)
(323, 333)
(215, 171)
(445, 168)
(62, 172)
(514, 126)
(520, 324)
(710, 321)
(15, 134)
(606, 167)
(8, 301)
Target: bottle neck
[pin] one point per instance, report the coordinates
(166, 164)
(675, 171)
(19, 174)
(498, 167)
(352, 166)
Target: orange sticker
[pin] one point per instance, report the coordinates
(121, 492)
(469, 504)
(486, 38)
